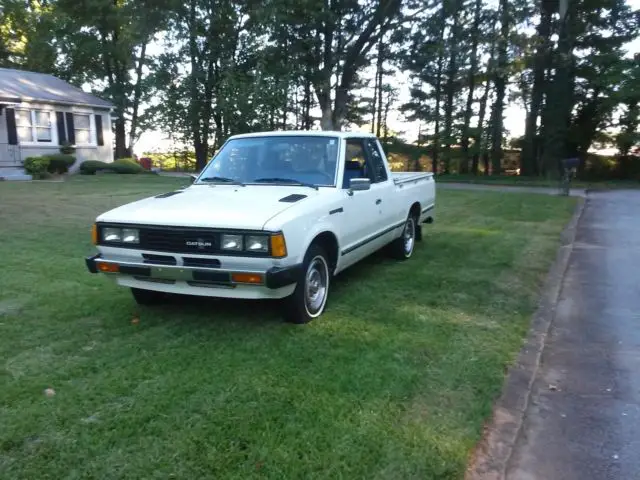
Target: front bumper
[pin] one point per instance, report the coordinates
(158, 276)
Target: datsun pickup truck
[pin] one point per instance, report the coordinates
(272, 216)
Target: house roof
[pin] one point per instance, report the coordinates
(21, 85)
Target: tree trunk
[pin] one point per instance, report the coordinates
(560, 98)
(529, 155)
(436, 131)
(485, 160)
(437, 93)
(374, 103)
(480, 137)
(497, 112)
(452, 70)
(326, 122)
(308, 99)
(471, 83)
(285, 106)
(120, 133)
(629, 123)
(387, 107)
(137, 92)
(379, 77)
(194, 114)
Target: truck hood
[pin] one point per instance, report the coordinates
(212, 206)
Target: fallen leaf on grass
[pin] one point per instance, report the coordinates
(135, 321)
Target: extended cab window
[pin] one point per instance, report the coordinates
(358, 163)
(377, 162)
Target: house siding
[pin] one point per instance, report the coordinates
(103, 153)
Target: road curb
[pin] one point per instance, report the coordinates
(493, 453)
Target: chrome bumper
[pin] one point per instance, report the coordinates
(274, 277)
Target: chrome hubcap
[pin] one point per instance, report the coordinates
(316, 285)
(409, 236)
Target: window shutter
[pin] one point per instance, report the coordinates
(71, 134)
(12, 133)
(62, 135)
(99, 134)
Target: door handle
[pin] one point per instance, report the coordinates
(378, 201)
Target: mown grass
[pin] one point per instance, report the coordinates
(518, 180)
(394, 381)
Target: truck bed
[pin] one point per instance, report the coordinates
(404, 177)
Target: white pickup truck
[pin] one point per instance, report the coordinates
(272, 216)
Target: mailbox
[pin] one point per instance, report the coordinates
(145, 162)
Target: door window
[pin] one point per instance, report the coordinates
(357, 162)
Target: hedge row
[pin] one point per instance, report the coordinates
(39, 167)
(123, 165)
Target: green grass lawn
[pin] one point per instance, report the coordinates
(516, 180)
(394, 381)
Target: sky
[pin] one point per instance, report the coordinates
(514, 113)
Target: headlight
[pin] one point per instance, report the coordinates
(231, 242)
(130, 235)
(110, 234)
(257, 243)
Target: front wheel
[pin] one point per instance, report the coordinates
(402, 247)
(310, 296)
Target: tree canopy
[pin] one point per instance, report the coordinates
(202, 70)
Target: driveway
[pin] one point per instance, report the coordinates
(583, 417)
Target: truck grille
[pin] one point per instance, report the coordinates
(183, 240)
(178, 240)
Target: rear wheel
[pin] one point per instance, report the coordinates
(148, 297)
(310, 296)
(402, 247)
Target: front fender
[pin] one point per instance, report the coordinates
(320, 228)
(300, 234)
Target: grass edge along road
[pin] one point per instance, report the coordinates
(521, 181)
(394, 381)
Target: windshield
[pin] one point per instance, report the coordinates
(283, 160)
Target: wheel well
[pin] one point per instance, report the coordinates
(415, 210)
(329, 242)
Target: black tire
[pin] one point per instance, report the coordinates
(305, 304)
(148, 297)
(402, 247)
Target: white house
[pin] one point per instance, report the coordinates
(39, 113)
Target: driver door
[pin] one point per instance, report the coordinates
(363, 210)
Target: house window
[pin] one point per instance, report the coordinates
(34, 126)
(82, 129)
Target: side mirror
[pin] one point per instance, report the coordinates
(192, 178)
(358, 184)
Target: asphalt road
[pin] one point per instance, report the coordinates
(583, 418)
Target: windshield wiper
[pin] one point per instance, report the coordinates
(230, 181)
(285, 180)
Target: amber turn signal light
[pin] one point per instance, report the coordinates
(94, 234)
(108, 267)
(278, 246)
(246, 278)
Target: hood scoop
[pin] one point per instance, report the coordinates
(294, 197)
(168, 194)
